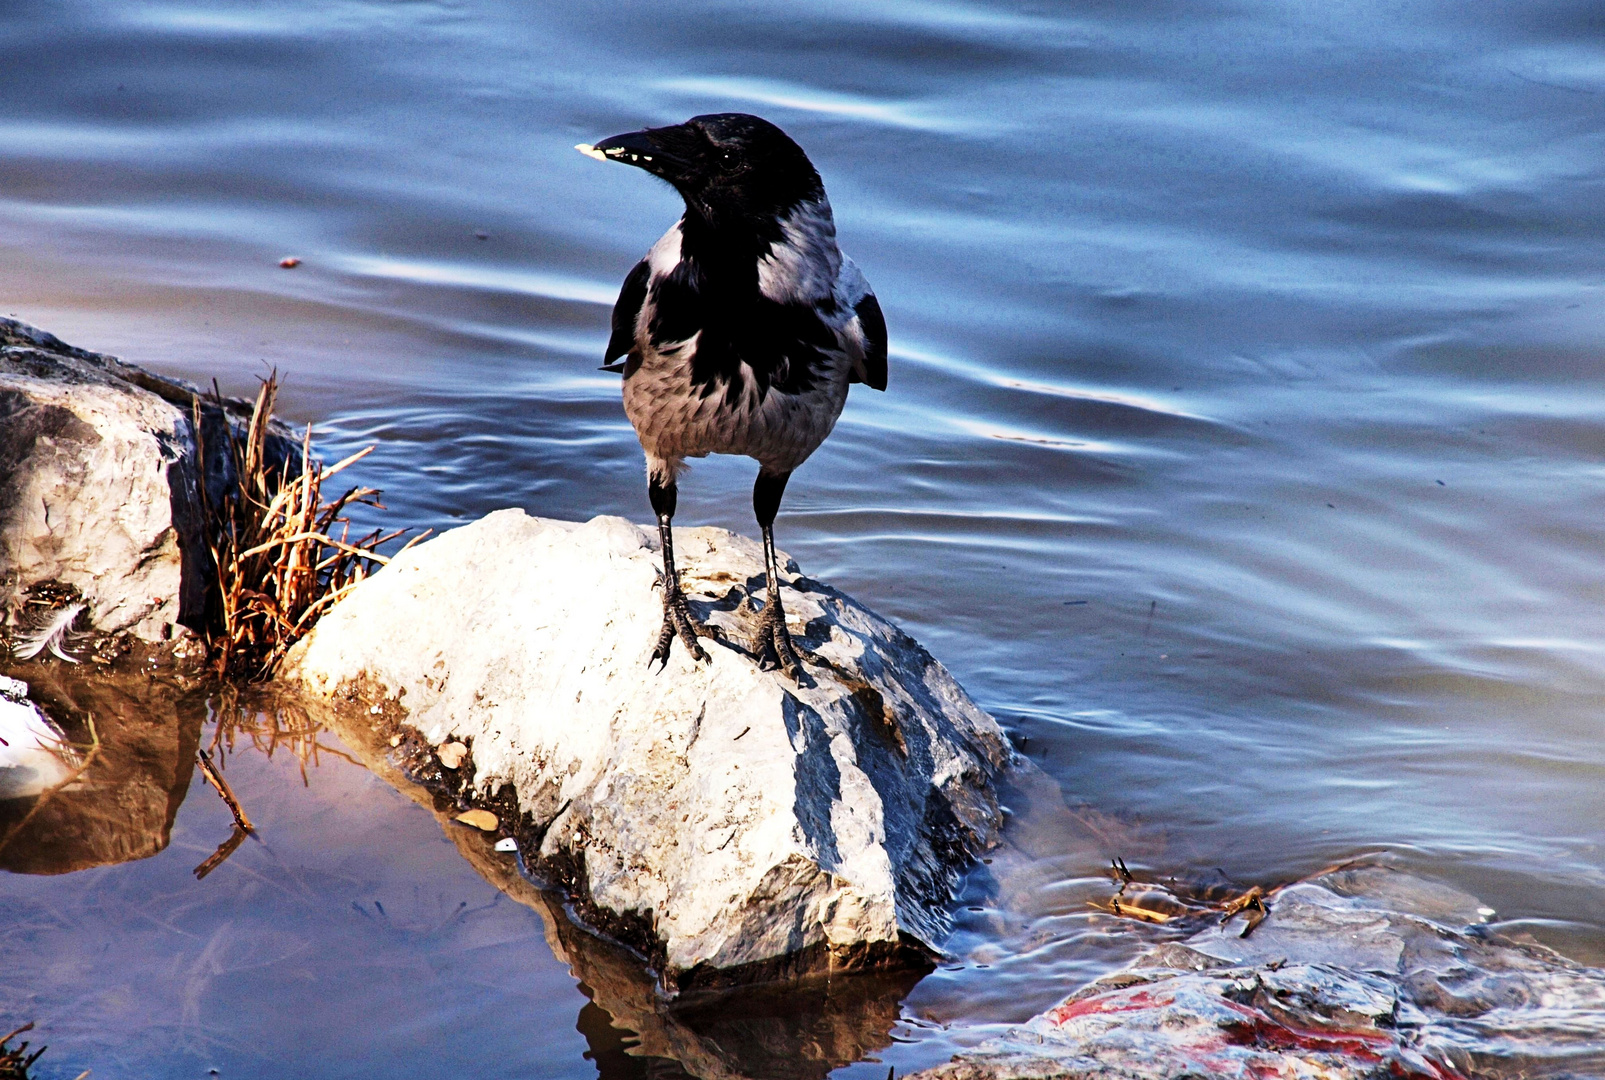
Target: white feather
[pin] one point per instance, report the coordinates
(52, 636)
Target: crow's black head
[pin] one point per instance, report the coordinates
(728, 167)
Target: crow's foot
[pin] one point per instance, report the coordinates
(773, 642)
(677, 622)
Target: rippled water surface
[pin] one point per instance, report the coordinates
(1244, 451)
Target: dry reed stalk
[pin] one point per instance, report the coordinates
(14, 1063)
(283, 555)
(269, 727)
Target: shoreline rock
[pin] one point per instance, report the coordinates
(725, 823)
(1362, 973)
(99, 485)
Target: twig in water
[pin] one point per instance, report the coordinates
(215, 778)
(1253, 902)
(268, 726)
(1152, 902)
(1120, 907)
(224, 850)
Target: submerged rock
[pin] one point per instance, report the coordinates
(721, 820)
(98, 484)
(1360, 974)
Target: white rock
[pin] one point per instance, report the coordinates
(98, 491)
(716, 815)
(34, 754)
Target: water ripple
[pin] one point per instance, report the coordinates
(518, 282)
(801, 98)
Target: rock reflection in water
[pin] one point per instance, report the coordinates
(791, 1031)
(122, 807)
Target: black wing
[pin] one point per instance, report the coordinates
(874, 324)
(625, 309)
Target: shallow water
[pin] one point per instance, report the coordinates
(1242, 452)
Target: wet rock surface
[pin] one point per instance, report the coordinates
(723, 822)
(1363, 972)
(99, 473)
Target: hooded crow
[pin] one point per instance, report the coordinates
(739, 332)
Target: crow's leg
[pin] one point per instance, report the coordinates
(773, 644)
(677, 618)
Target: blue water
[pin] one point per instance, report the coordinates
(1244, 451)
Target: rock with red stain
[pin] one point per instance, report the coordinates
(1229, 1022)
(1347, 979)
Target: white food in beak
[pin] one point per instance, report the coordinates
(590, 151)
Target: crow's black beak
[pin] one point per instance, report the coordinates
(634, 148)
(657, 150)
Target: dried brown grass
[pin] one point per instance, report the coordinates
(14, 1062)
(283, 554)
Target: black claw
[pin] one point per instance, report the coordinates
(660, 651)
(773, 642)
(677, 622)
